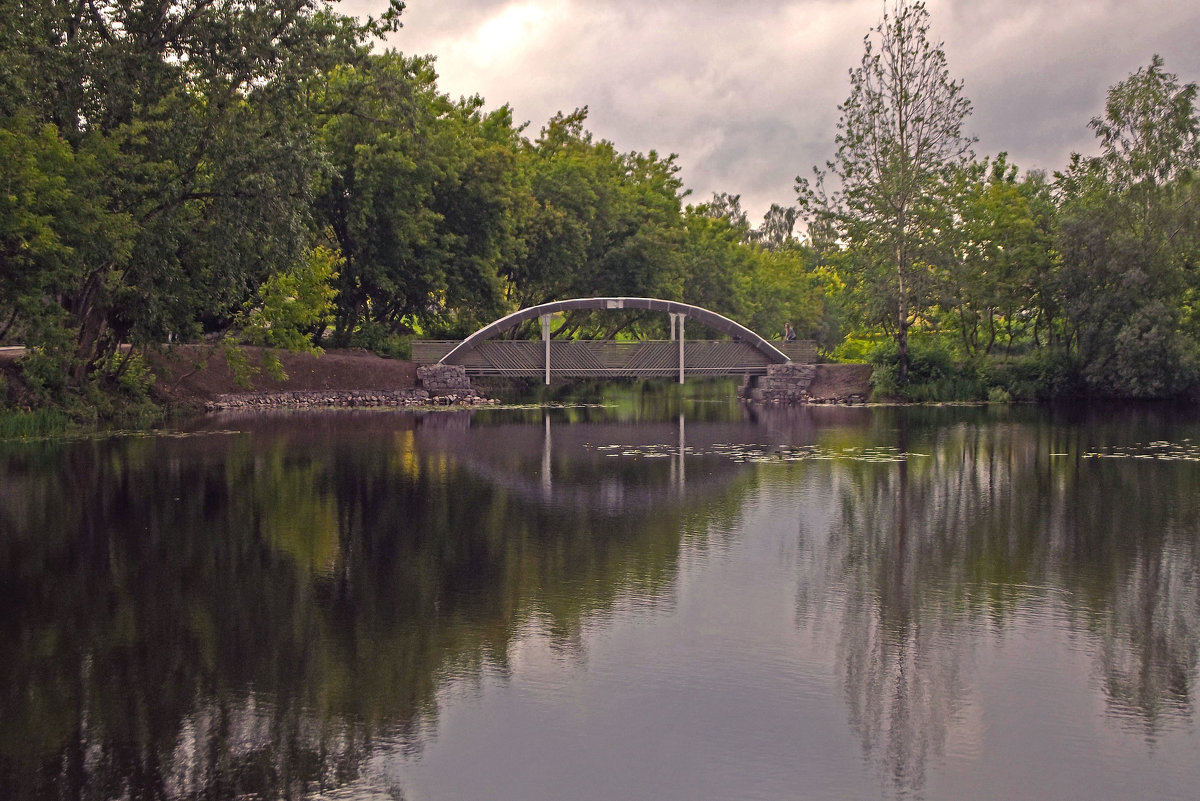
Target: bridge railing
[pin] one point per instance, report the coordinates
(801, 351)
(431, 351)
(593, 358)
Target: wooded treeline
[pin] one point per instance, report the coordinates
(258, 169)
(263, 172)
(1084, 282)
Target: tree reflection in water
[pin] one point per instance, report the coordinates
(261, 614)
(223, 616)
(983, 521)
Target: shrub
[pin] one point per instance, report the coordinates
(854, 351)
(129, 374)
(998, 395)
(934, 374)
(379, 340)
(43, 373)
(1043, 375)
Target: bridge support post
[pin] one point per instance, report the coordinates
(546, 339)
(681, 317)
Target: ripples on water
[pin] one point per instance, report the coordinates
(606, 602)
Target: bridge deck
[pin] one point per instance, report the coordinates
(591, 358)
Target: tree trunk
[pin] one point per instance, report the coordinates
(612, 333)
(12, 319)
(90, 317)
(902, 317)
(91, 329)
(568, 320)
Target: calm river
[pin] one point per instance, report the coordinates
(657, 598)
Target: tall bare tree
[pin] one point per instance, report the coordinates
(899, 137)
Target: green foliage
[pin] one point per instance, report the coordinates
(1086, 285)
(1129, 241)
(165, 162)
(761, 288)
(423, 198)
(934, 373)
(53, 229)
(378, 339)
(998, 253)
(42, 372)
(171, 171)
(600, 222)
(274, 367)
(129, 373)
(239, 363)
(117, 394)
(258, 173)
(899, 140)
(1042, 375)
(853, 350)
(777, 228)
(719, 265)
(41, 422)
(293, 307)
(998, 395)
(782, 286)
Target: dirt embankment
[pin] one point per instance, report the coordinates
(191, 375)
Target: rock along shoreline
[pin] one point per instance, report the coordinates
(448, 385)
(343, 399)
(438, 385)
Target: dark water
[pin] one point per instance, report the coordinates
(651, 600)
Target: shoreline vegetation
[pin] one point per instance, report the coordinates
(299, 188)
(185, 381)
(188, 380)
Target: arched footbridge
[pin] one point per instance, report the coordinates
(743, 353)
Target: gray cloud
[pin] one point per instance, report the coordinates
(746, 94)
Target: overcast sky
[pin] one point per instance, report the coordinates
(746, 91)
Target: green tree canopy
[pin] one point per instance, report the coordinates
(1129, 240)
(998, 253)
(601, 223)
(422, 196)
(187, 132)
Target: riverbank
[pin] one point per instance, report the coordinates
(196, 375)
(192, 376)
(199, 378)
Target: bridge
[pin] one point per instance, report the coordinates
(744, 353)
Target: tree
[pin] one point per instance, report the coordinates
(783, 286)
(899, 139)
(50, 227)
(729, 207)
(423, 198)
(718, 262)
(1129, 240)
(602, 223)
(189, 127)
(1150, 133)
(777, 227)
(999, 246)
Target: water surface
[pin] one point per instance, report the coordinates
(655, 598)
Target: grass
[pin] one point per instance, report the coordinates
(42, 422)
